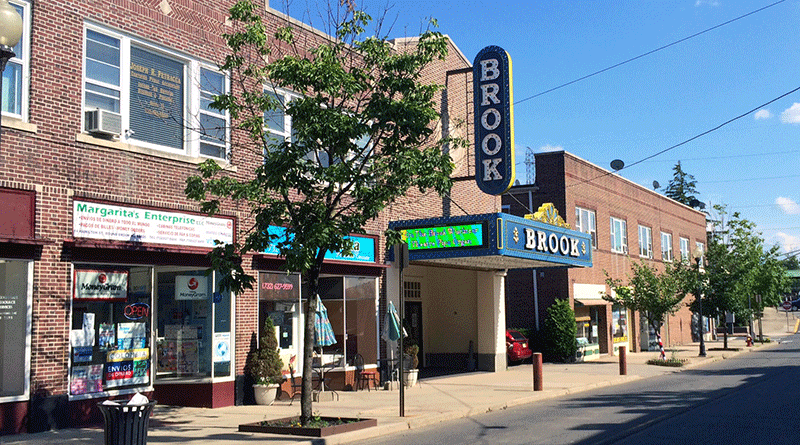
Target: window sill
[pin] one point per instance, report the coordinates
(19, 124)
(117, 145)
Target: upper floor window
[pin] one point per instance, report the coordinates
(666, 246)
(619, 235)
(645, 242)
(684, 249)
(151, 97)
(700, 248)
(585, 222)
(17, 71)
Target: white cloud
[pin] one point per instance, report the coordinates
(706, 2)
(762, 114)
(788, 206)
(791, 115)
(789, 243)
(549, 148)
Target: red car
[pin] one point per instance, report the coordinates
(517, 347)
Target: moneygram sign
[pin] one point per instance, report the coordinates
(494, 120)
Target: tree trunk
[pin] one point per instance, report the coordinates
(308, 347)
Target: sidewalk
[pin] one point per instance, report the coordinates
(433, 400)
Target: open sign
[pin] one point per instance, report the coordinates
(137, 311)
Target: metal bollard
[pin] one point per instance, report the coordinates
(623, 360)
(537, 371)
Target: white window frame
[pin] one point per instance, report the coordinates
(23, 60)
(224, 115)
(619, 227)
(684, 249)
(191, 94)
(645, 242)
(666, 247)
(586, 222)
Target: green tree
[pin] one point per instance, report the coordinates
(559, 332)
(654, 295)
(739, 269)
(363, 136)
(682, 187)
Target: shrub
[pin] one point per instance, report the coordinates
(559, 340)
(264, 364)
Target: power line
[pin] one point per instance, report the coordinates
(692, 138)
(647, 53)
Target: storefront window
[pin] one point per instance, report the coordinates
(279, 299)
(15, 291)
(361, 326)
(110, 329)
(587, 322)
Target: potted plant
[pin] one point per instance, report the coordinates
(410, 362)
(264, 366)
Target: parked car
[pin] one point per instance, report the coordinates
(517, 347)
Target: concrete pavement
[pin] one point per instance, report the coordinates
(433, 400)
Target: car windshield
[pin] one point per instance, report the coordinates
(517, 336)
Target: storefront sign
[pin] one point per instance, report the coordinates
(106, 285)
(189, 287)
(363, 247)
(278, 286)
(117, 223)
(137, 311)
(494, 120)
(222, 347)
(445, 237)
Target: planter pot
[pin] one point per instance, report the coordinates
(329, 426)
(410, 377)
(265, 394)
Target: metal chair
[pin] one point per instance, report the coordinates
(364, 376)
(297, 387)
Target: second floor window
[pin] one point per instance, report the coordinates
(619, 235)
(585, 222)
(666, 246)
(645, 242)
(152, 97)
(15, 87)
(684, 249)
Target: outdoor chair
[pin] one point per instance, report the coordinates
(364, 376)
(297, 387)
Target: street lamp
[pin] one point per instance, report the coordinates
(698, 257)
(10, 33)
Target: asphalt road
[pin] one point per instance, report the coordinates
(753, 398)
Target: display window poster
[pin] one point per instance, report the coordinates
(102, 285)
(82, 354)
(188, 287)
(127, 367)
(131, 335)
(107, 338)
(86, 379)
(167, 355)
(222, 347)
(188, 357)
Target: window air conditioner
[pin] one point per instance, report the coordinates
(103, 122)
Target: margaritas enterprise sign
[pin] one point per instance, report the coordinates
(121, 223)
(494, 120)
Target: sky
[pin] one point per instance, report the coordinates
(708, 101)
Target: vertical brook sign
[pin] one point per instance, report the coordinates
(494, 120)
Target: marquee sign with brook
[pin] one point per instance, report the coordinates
(494, 120)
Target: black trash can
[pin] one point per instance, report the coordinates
(126, 424)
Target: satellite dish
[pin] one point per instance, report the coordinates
(656, 185)
(516, 182)
(617, 164)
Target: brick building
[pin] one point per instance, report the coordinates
(103, 291)
(627, 223)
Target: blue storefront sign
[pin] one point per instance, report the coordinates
(363, 247)
(510, 242)
(494, 120)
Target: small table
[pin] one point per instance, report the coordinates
(321, 368)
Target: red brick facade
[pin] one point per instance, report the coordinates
(569, 182)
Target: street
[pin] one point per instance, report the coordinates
(749, 399)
